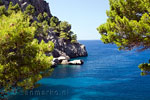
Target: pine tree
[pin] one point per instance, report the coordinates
(74, 38)
(45, 15)
(128, 24)
(22, 58)
(65, 26)
(54, 21)
(64, 35)
(30, 10)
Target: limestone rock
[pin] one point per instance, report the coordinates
(76, 62)
(54, 64)
(56, 61)
(64, 62)
(65, 48)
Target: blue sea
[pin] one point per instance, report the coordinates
(107, 74)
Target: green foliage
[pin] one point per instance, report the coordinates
(30, 10)
(43, 18)
(64, 35)
(1, 3)
(74, 38)
(54, 24)
(14, 8)
(45, 15)
(3, 10)
(65, 32)
(54, 21)
(62, 29)
(128, 24)
(10, 11)
(145, 68)
(41, 29)
(40, 17)
(45, 27)
(65, 26)
(22, 58)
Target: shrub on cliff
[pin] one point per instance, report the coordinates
(13, 8)
(74, 38)
(62, 29)
(22, 58)
(40, 17)
(43, 17)
(30, 10)
(54, 24)
(64, 35)
(54, 21)
(65, 26)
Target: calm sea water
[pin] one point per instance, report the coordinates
(107, 74)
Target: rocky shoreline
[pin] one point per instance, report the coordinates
(64, 49)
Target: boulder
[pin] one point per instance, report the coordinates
(76, 62)
(54, 64)
(61, 58)
(55, 60)
(64, 62)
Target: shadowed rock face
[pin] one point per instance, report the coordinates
(65, 48)
(40, 5)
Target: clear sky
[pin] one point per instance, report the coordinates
(84, 15)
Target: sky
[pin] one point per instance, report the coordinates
(84, 15)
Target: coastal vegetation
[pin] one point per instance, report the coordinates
(128, 25)
(61, 28)
(23, 56)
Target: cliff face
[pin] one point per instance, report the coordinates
(66, 48)
(40, 5)
(62, 47)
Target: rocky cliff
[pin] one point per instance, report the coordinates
(62, 47)
(40, 5)
(65, 48)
